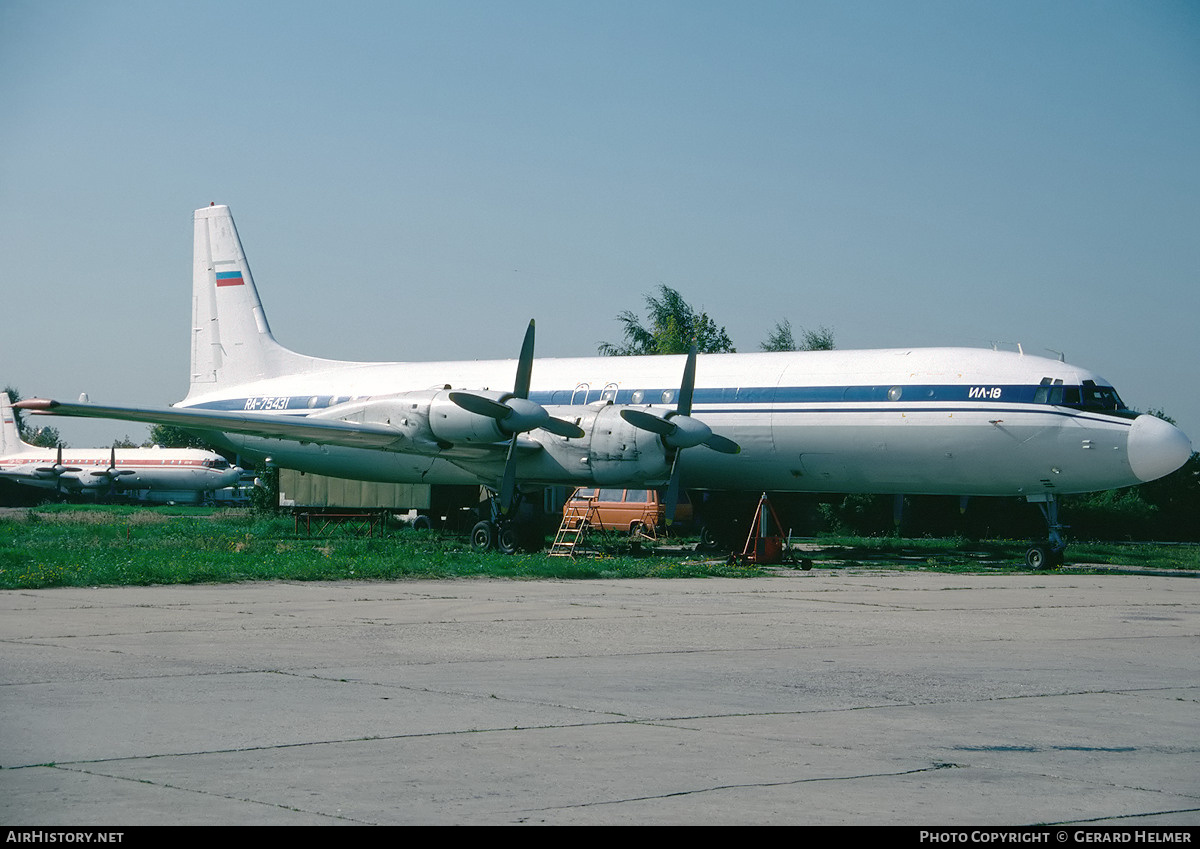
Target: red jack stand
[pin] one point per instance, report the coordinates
(764, 544)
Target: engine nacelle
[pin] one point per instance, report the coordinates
(428, 420)
(411, 414)
(451, 424)
(611, 452)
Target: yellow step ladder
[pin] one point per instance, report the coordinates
(575, 525)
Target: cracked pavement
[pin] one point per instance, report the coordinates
(828, 697)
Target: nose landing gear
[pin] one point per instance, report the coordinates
(1048, 554)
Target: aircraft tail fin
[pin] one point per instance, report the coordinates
(231, 339)
(10, 437)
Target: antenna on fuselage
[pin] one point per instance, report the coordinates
(996, 346)
(1062, 358)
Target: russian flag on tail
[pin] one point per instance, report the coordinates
(230, 278)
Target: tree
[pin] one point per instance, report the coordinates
(14, 395)
(782, 339)
(674, 326)
(43, 437)
(169, 436)
(820, 339)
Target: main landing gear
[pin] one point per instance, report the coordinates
(520, 529)
(1048, 554)
(501, 535)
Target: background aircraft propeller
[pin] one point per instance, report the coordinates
(57, 470)
(678, 430)
(516, 414)
(112, 472)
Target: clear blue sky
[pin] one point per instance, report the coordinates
(415, 180)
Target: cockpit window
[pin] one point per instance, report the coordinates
(1100, 397)
(1089, 396)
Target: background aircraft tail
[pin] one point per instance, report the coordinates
(231, 340)
(10, 437)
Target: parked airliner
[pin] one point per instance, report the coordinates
(97, 470)
(954, 421)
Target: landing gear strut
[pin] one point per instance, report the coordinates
(1048, 554)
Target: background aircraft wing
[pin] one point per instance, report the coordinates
(293, 428)
(21, 475)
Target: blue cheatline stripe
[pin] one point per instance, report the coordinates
(762, 400)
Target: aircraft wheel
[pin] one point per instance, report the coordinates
(1039, 557)
(507, 538)
(483, 536)
(422, 523)
(708, 540)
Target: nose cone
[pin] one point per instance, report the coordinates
(1156, 448)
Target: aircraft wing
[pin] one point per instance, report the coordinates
(27, 476)
(294, 428)
(66, 481)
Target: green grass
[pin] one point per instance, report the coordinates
(74, 546)
(139, 546)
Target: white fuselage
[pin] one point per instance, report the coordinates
(936, 421)
(92, 469)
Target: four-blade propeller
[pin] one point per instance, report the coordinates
(58, 468)
(57, 471)
(516, 414)
(678, 430)
(112, 472)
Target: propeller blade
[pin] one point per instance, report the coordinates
(648, 421)
(481, 406)
(508, 483)
(525, 365)
(726, 446)
(684, 405)
(559, 427)
(672, 497)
